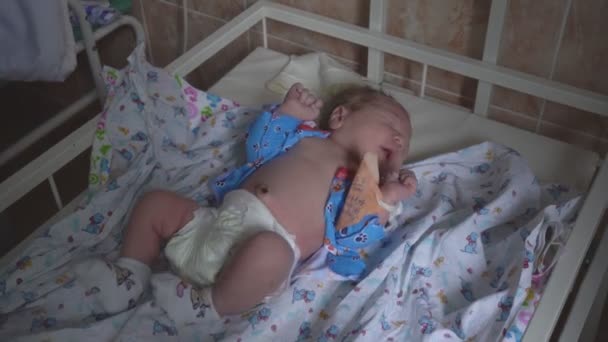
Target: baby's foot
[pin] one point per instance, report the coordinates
(113, 287)
(301, 103)
(185, 303)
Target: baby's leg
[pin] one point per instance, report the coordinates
(258, 268)
(117, 286)
(156, 217)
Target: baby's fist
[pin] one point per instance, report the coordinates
(398, 186)
(301, 103)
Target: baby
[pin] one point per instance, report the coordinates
(276, 210)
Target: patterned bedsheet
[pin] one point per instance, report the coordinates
(462, 263)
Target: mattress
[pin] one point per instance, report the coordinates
(437, 127)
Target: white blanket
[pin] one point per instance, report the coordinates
(37, 40)
(459, 264)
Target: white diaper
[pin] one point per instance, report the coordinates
(199, 250)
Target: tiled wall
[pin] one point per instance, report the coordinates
(163, 23)
(559, 39)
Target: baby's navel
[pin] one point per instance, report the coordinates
(261, 190)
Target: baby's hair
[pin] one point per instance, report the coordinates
(353, 98)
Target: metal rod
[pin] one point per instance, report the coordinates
(566, 270)
(265, 33)
(425, 69)
(375, 58)
(55, 192)
(496, 23)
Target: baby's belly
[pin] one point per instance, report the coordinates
(295, 192)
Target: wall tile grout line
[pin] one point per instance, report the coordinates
(193, 11)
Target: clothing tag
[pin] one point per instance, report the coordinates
(363, 195)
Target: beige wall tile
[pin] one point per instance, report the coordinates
(457, 27)
(512, 119)
(583, 57)
(225, 9)
(452, 98)
(217, 66)
(136, 9)
(530, 35)
(575, 119)
(318, 42)
(574, 137)
(451, 82)
(201, 26)
(289, 48)
(279, 45)
(163, 29)
(351, 11)
(515, 101)
(528, 44)
(403, 67)
(406, 83)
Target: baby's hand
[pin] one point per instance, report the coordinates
(398, 186)
(300, 103)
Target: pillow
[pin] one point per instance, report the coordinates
(323, 75)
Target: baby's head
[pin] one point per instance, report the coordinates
(363, 119)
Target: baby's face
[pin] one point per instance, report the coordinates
(382, 127)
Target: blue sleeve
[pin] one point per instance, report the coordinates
(268, 135)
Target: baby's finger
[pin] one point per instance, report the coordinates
(304, 94)
(298, 87)
(309, 99)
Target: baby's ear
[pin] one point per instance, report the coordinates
(337, 116)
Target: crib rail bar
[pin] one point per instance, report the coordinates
(124, 20)
(582, 322)
(47, 127)
(375, 58)
(565, 272)
(34, 173)
(470, 67)
(199, 53)
(55, 192)
(490, 53)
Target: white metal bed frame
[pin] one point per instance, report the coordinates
(593, 286)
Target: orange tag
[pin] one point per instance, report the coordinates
(363, 195)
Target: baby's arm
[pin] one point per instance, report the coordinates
(300, 103)
(266, 136)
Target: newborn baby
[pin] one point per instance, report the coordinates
(276, 210)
